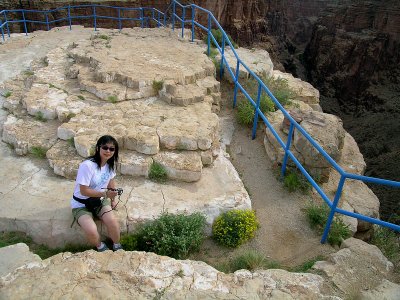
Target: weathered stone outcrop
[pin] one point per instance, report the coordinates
(356, 267)
(143, 275)
(91, 73)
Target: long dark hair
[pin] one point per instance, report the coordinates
(105, 139)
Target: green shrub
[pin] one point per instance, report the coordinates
(235, 227)
(11, 238)
(217, 33)
(129, 242)
(172, 235)
(157, 85)
(71, 142)
(7, 94)
(338, 232)
(40, 117)
(158, 173)
(304, 267)
(38, 151)
(280, 89)
(29, 73)
(245, 113)
(252, 260)
(388, 242)
(103, 37)
(295, 181)
(81, 97)
(317, 216)
(112, 99)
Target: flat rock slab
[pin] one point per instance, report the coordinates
(15, 256)
(141, 275)
(43, 210)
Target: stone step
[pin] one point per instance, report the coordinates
(110, 90)
(144, 127)
(27, 135)
(186, 94)
(183, 166)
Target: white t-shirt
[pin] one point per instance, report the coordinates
(90, 175)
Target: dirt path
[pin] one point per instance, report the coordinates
(284, 234)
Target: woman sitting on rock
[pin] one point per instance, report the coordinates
(94, 193)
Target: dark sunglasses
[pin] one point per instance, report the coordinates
(105, 148)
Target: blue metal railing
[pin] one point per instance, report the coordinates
(152, 14)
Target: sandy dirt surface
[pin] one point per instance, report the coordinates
(284, 235)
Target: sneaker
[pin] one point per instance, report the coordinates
(117, 247)
(103, 248)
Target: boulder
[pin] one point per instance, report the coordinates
(356, 266)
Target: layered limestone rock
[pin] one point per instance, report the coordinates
(257, 60)
(140, 275)
(325, 129)
(357, 266)
(96, 86)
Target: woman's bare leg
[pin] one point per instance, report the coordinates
(111, 223)
(89, 227)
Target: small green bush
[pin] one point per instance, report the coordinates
(7, 94)
(252, 260)
(388, 242)
(295, 181)
(71, 142)
(304, 267)
(38, 151)
(317, 216)
(29, 73)
(158, 173)
(235, 227)
(245, 113)
(112, 99)
(103, 37)
(157, 85)
(11, 238)
(338, 232)
(81, 97)
(217, 33)
(40, 117)
(172, 235)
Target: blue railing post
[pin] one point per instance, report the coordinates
(287, 148)
(69, 17)
(221, 69)
(47, 21)
(141, 18)
(94, 17)
(173, 16)
(255, 121)
(6, 21)
(158, 19)
(236, 84)
(208, 34)
(193, 16)
(333, 209)
(23, 16)
(2, 31)
(183, 20)
(119, 19)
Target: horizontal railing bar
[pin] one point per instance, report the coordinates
(373, 180)
(368, 219)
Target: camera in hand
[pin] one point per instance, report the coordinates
(118, 190)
